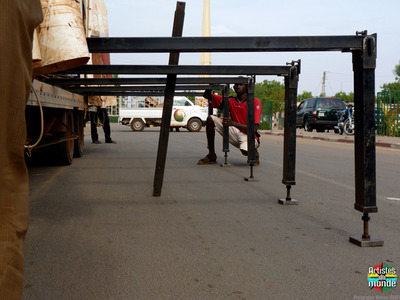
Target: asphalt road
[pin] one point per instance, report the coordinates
(96, 232)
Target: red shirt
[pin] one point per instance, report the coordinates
(238, 110)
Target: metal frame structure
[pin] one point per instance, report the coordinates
(363, 49)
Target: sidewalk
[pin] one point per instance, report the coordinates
(381, 141)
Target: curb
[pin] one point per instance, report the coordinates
(331, 139)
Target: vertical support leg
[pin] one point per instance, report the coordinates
(364, 139)
(226, 128)
(167, 107)
(251, 145)
(289, 148)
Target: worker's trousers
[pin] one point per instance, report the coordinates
(18, 18)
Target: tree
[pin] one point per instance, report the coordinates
(344, 96)
(393, 86)
(304, 95)
(272, 91)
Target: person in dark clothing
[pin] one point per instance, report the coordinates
(100, 118)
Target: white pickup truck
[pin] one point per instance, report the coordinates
(184, 114)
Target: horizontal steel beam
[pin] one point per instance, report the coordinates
(143, 88)
(150, 80)
(136, 93)
(225, 44)
(183, 69)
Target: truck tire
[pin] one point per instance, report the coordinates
(79, 130)
(63, 153)
(137, 125)
(194, 125)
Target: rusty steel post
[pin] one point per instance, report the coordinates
(251, 145)
(225, 146)
(168, 102)
(289, 148)
(364, 62)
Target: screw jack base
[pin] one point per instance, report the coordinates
(370, 242)
(251, 179)
(286, 201)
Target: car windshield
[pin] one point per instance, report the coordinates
(331, 103)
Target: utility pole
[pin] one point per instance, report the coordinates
(323, 94)
(205, 57)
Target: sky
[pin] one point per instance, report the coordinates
(154, 18)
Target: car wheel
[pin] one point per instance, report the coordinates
(307, 126)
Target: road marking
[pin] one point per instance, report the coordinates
(392, 199)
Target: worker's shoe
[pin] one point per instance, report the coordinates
(96, 142)
(208, 160)
(111, 142)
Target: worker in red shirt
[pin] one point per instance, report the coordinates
(237, 123)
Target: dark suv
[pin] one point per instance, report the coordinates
(319, 113)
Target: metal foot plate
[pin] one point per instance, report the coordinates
(285, 201)
(251, 179)
(371, 242)
(225, 165)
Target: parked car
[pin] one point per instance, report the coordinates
(319, 113)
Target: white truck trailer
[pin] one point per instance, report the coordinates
(184, 114)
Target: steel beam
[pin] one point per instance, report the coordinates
(364, 140)
(142, 88)
(138, 93)
(176, 70)
(149, 80)
(251, 145)
(225, 44)
(225, 141)
(168, 102)
(289, 142)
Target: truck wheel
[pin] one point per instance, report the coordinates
(79, 130)
(63, 153)
(137, 125)
(194, 125)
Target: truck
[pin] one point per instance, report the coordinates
(184, 114)
(55, 117)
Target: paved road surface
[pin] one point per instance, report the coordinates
(96, 232)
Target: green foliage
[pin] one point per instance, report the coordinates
(347, 97)
(393, 86)
(272, 91)
(304, 95)
(396, 71)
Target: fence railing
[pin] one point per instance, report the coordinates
(387, 115)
